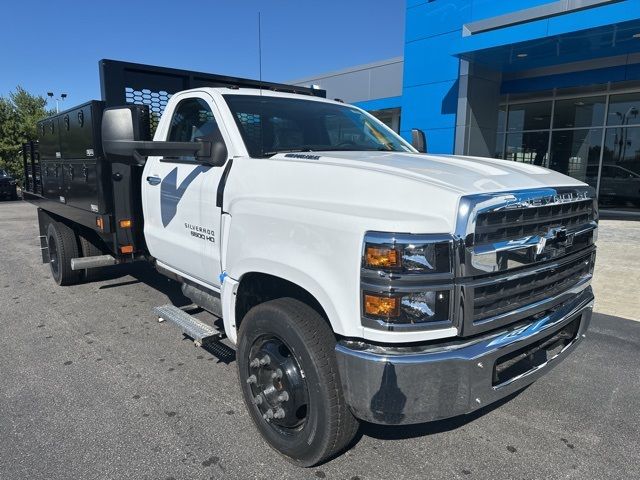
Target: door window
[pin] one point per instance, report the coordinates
(192, 119)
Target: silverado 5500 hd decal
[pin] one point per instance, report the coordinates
(201, 232)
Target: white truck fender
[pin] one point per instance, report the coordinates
(228, 292)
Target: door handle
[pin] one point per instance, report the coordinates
(153, 180)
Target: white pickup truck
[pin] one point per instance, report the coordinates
(358, 278)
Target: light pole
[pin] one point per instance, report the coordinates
(61, 98)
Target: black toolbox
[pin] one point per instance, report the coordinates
(74, 169)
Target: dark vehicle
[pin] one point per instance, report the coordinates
(8, 186)
(618, 185)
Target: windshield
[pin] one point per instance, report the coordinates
(270, 125)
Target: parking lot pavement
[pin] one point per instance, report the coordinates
(92, 387)
(615, 282)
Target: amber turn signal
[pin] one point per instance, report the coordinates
(100, 223)
(381, 306)
(125, 223)
(382, 257)
(126, 249)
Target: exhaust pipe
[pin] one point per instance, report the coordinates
(92, 262)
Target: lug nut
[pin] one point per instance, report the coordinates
(266, 360)
(252, 379)
(268, 415)
(279, 413)
(283, 397)
(257, 400)
(277, 375)
(255, 363)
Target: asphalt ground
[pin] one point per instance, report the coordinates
(92, 387)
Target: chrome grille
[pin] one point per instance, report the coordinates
(508, 294)
(502, 225)
(522, 253)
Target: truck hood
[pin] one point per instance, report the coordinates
(460, 174)
(373, 191)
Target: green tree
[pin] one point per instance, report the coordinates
(19, 112)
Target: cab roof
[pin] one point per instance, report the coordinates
(261, 92)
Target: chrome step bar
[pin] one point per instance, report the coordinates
(190, 326)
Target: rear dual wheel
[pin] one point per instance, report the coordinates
(63, 246)
(290, 382)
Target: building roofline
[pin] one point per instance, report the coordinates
(355, 68)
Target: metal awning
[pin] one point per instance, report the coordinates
(605, 41)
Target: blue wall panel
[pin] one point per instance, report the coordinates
(439, 140)
(430, 106)
(430, 92)
(481, 9)
(594, 17)
(435, 18)
(605, 15)
(429, 60)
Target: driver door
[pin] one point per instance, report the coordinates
(182, 221)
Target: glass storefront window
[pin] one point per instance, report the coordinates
(499, 151)
(502, 117)
(620, 176)
(529, 116)
(528, 147)
(592, 136)
(576, 152)
(624, 109)
(579, 112)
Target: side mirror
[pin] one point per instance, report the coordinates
(120, 128)
(218, 153)
(125, 139)
(418, 140)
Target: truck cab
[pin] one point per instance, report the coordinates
(358, 278)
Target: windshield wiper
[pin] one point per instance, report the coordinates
(321, 148)
(290, 150)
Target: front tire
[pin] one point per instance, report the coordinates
(290, 382)
(63, 246)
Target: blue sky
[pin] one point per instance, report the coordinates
(55, 46)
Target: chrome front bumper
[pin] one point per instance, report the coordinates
(405, 385)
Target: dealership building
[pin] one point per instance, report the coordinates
(550, 83)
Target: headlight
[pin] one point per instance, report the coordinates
(406, 280)
(407, 308)
(407, 253)
(12, 182)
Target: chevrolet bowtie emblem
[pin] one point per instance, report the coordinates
(558, 237)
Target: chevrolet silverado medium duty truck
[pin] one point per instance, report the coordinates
(358, 278)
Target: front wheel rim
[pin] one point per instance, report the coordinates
(278, 385)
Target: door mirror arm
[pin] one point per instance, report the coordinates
(137, 151)
(125, 139)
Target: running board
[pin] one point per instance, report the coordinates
(190, 326)
(84, 263)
